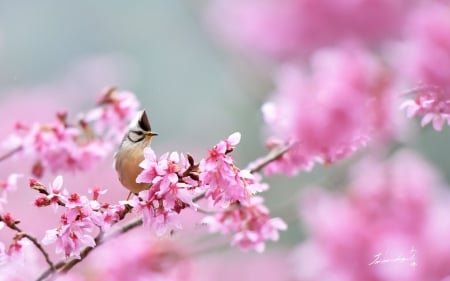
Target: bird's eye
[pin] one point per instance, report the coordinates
(135, 136)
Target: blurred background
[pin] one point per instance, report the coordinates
(60, 55)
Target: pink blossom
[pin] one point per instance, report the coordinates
(148, 165)
(232, 265)
(331, 112)
(57, 147)
(286, 29)
(430, 103)
(388, 227)
(159, 213)
(71, 238)
(249, 223)
(7, 186)
(23, 266)
(423, 59)
(64, 146)
(56, 193)
(172, 189)
(107, 215)
(96, 192)
(145, 258)
(220, 176)
(81, 218)
(114, 112)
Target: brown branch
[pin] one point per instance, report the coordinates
(10, 153)
(273, 155)
(40, 248)
(32, 239)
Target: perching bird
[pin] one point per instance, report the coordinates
(131, 153)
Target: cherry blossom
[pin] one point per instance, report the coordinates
(114, 112)
(22, 266)
(383, 215)
(171, 189)
(430, 103)
(283, 30)
(327, 114)
(64, 146)
(249, 223)
(81, 217)
(423, 58)
(71, 237)
(7, 186)
(220, 176)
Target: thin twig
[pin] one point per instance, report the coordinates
(10, 153)
(266, 160)
(40, 248)
(32, 239)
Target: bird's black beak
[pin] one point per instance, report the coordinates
(151, 134)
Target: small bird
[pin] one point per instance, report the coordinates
(131, 153)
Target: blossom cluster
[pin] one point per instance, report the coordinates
(329, 112)
(215, 186)
(80, 219)
(63, 146)
(339, 71)
(387, 227)
(177, 182)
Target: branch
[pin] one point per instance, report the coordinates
(10, 153)
(273, 155)
(13, 225)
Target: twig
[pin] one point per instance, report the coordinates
(32, 239)
(266, 160)
(40, 248)
(10, 153)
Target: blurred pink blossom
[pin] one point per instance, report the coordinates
(423, 59)
(23, 266)
(7, 186)
(114, 111)
(250, 224)
(283, 29)
(145, 258)
(227, 265)
(327, 114)
(65, 146)
(390, 225)
(424, 55)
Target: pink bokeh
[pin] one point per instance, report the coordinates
(285, 29)
(385, 212)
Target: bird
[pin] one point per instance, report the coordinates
(131, 152)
